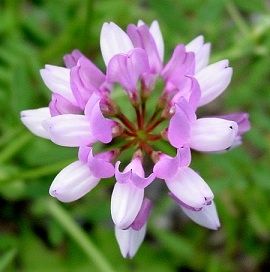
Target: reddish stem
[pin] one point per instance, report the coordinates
(126, 122)
(154, 125)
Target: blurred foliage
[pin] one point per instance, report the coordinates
(33, 235)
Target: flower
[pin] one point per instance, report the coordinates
(82, 113)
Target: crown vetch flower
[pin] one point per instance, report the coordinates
(83, 113)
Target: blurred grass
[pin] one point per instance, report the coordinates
(33, 33)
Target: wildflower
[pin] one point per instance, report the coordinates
(82, 113)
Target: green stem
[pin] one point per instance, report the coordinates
(7, 258)
(14, 146)
(79, 236)
(37, 172)
(237, 17)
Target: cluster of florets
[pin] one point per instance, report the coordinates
(83, 114)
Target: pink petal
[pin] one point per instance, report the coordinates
(71, 59)
(86, 78)
(60, 105)
(179, 126)
(128, 69)
(100, 167)
(142, 38)
(143, 215)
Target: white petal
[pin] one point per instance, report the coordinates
(129, 240)
(188, 187)
(113, 41)
(212, 134)
(157, 35)
(33, 119)
(202, 57)
(213, 80)
(125, 203)
(57, 79)
(140, 23)
(69, 130)
(195, 45)
(73, 182)
(207, 217)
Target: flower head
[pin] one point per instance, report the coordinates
(83, 112)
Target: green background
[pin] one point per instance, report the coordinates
(40, 234)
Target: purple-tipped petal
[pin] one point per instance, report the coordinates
(113, 41)
(142, 38)
(60, 105)
(143, 215)
(85, 78)
(73, 182)
(190, 188)
(126, 202)
(212, 134)
(57, 79)
(242, 120)
(213, 80)
(128, 69)
(33, 120)
(100, 167)
(84, 153)
(206, 217)
(71, 59)
(129, 240)
(69, 130)
(122, 177)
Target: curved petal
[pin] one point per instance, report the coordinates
(101, 127)
(85, 78)
(100, 168)
(142, 38)
(69, 130)
(113, 41)
(71, 59)
(206, 217)
(179, 125)
(190, 188)
(128, 69)
(60, 105)
(33, 120)
(143, 215)
(73, 182)
(126, 202)
(212, 134)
